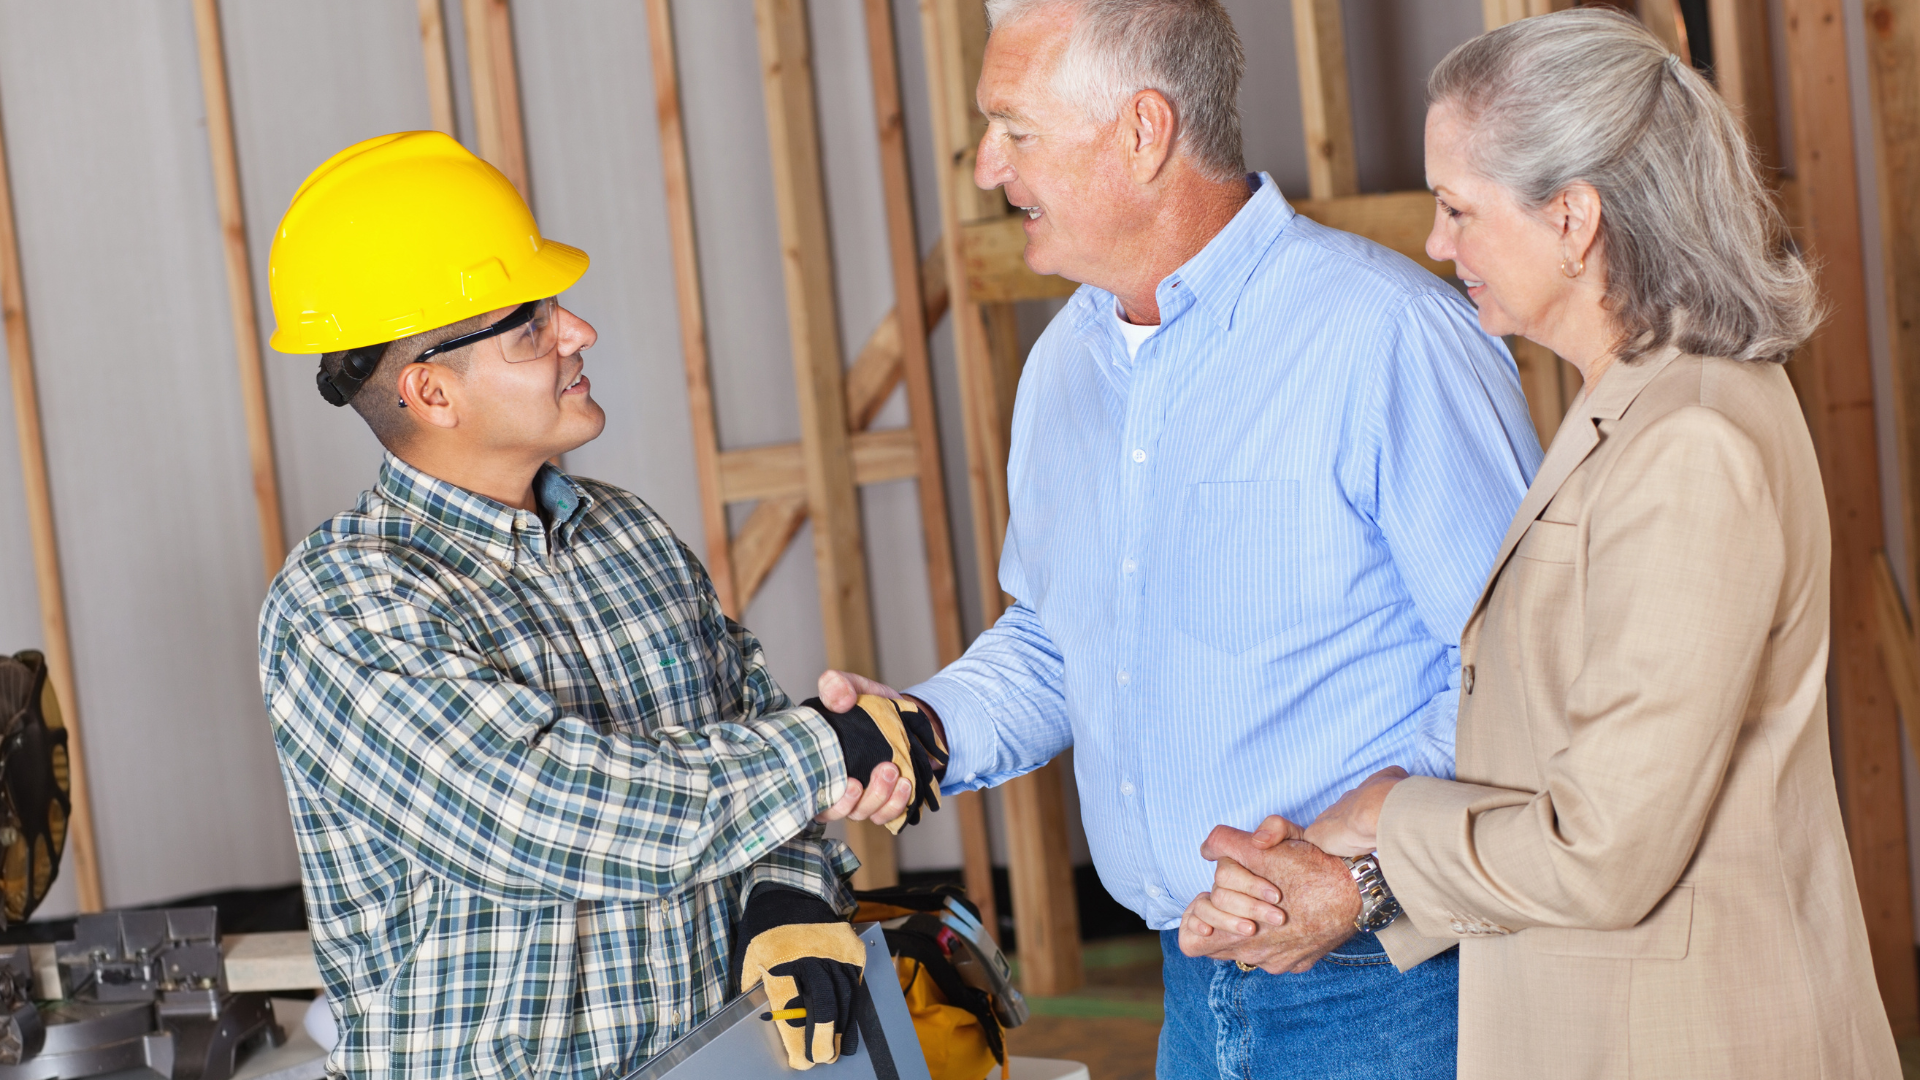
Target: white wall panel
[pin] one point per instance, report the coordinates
(148, 458)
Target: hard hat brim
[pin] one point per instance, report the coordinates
(554, 268)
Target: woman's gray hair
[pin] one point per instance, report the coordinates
(1186, 49)
(1696, 253)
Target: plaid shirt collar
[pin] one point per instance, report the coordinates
(491, 528)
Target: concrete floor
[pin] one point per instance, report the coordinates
(1112, 1024)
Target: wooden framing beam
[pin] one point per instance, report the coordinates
(439, 68)
(495, 80)
(1743, 70)
(813, 322)
(1837, 389)
(1502, 12)
(1320, 47)
(986, 346)
(910, 325)
(240, 300)
(1663, 18)
(690, 295)
(58, 645)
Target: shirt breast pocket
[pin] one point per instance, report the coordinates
(676, 686)
(1233, 561)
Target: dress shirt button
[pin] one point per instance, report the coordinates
(1126, 787)
(1129, 566)
(1123, 678)
(1139, 456)
(1153, 890)
(1466, 679)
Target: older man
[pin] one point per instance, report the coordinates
(1259, 470)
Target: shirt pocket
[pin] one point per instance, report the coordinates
(676, 687)
(1233, 558)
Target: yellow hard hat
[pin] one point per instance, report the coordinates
(401, 234)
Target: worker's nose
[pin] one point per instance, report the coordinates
(576, 333)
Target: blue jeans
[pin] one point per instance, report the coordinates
(1353, 1017)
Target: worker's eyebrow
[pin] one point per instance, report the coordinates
(1005, 113)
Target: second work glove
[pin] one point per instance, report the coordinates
(810, 959)
(880, 729)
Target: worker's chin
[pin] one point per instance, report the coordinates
(585, 422)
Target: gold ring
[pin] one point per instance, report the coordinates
(1244, 966)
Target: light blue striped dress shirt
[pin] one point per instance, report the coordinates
(1241, 559)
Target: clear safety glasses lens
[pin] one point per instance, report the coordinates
(534, 339)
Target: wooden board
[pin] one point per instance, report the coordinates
(1320, 51)
(271, 961)
(1743, 70)
(986, 347)
(1836, 382)
(55, 642)
(495, 80)
(813, 327)
(439, 68)
(240, 299)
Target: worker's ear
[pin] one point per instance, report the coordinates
(430, 392)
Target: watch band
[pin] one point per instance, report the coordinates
(1378, 908)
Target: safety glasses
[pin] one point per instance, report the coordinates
(530, 332)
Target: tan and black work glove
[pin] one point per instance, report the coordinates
(877, 730)
(811, 962)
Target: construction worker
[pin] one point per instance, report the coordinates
(539, 781)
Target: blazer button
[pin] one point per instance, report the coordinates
(1466, 679)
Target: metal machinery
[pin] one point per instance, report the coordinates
(135, 988)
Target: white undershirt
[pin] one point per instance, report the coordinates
(1136, 335)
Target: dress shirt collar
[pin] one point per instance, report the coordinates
(492, 527)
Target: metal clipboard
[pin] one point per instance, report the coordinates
(735, 1044)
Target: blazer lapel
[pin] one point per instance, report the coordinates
(1579, 434)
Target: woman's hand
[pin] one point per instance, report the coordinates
(1352, 825)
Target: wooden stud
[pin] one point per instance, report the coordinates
(955, 33)
(1743, 70)
(1039, 862)
(494, 77)
(1501, 12)
(1893, 75)
(1663, 18)
(1320, 49)
(433, 50)
(813, 322)
(911, 325)
(1898, 650)
(693, 313)
(1837, 386)
(57, 645)
(240, 302)
(909, 312)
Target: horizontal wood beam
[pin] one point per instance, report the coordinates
(994, 250)
(776, 472)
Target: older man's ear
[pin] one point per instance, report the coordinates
(1148, 124)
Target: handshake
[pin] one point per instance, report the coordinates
(1282, 896)
(890, 742)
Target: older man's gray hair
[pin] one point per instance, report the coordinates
(1696, 253)
(1186, 49)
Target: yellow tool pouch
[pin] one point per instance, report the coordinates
(960, 1011)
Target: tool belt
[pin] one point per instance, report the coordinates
(957, 983)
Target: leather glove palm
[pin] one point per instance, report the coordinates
(878, 730)
(809, 958)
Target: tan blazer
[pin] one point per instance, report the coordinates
(1643, 859)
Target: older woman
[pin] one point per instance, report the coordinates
(1642, 858)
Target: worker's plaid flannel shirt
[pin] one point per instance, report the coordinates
(533, 772)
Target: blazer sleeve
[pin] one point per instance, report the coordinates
(1684, 569)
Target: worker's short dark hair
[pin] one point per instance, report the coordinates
(378, 400)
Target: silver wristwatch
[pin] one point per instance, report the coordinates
(1378, 908)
